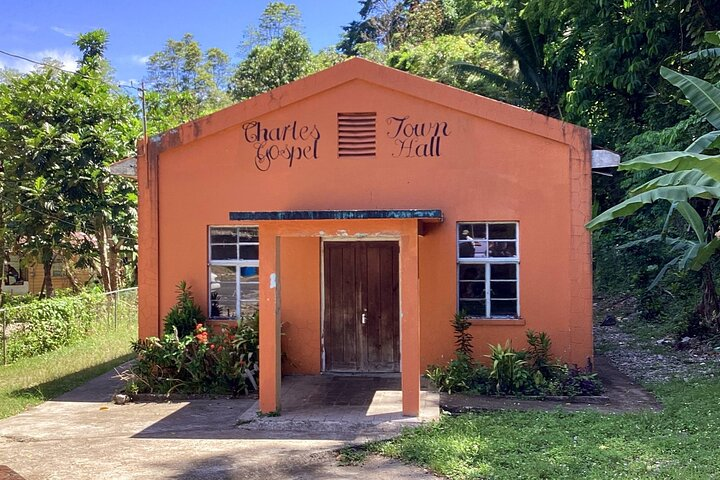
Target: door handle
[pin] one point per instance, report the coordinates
(363, 318)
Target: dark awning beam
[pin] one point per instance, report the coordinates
(425, 215)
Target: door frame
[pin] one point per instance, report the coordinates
(378, 238)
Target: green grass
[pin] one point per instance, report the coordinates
(679, 442)
(30, 381)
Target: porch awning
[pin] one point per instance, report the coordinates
(423, 215)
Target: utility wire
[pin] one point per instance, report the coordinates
(141, 89)
(49, 65)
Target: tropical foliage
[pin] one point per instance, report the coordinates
(58, 132)
(692, 187)
(202, 361)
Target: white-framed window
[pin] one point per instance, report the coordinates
(488, 269)
(233, 279)
(57, 270)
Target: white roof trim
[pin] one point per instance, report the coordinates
(605, 159)
(126, 167)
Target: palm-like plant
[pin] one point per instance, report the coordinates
(693, 173)
(540, 79)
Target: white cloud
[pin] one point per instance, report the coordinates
(140, 59)
(64, 31)
(67, 58)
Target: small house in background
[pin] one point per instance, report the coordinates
(21, 279)
(358, 210)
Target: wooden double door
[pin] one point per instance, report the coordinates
(362, 306)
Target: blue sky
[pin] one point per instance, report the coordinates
(46, 28)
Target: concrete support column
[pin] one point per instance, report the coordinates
(269, 319)
(410, 323)
(149, 315)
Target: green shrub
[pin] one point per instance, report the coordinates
(45, 325)
(185, 314)
(514, 372)
(224, 363)
(463, 338)
(461, 374)
(509, 369)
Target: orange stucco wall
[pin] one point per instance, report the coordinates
(495, 163)
(300, 307)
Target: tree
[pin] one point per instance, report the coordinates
(275, 19)
(542, 73)
(185, 82)
(266, 67)
(58, 131)
(614, 85)
(693, 189)
(436, 59)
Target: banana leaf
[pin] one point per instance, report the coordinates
(709, 140)
(675, 161)
(680, 193)
(703, 95)
(683, 177)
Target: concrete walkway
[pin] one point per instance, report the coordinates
(82, 435)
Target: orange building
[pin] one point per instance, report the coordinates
(359, 209)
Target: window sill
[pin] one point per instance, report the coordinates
(498, 322)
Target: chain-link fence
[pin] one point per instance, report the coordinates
(44, 325)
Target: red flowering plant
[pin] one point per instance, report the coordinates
(200, 362)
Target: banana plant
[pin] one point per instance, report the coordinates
(693, 173)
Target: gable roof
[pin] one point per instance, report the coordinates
(373, 73)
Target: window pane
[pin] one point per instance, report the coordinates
(223, 235)
(503, 308)
(247, 234)
(503, 249)
(479, 230)
(503, 289)
(464, 230)
(472, 290)
(472, 272)
(248, 252)
(503, 272)
(222, 291)
(250, 292)
(248, 274)
(473, 308)
(248, 309)
(224, 307)
(223, 252)
(472, 248)
(502, 231)
(249, 299)
(472, 241)
(220, 273)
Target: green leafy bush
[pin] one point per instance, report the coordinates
(512, 372)
(185, 314)
(45, 325)
(201, 362)
(463, 338)
(509, 369)
(572, 381)
(460, 374)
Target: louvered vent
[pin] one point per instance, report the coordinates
(356, 134)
